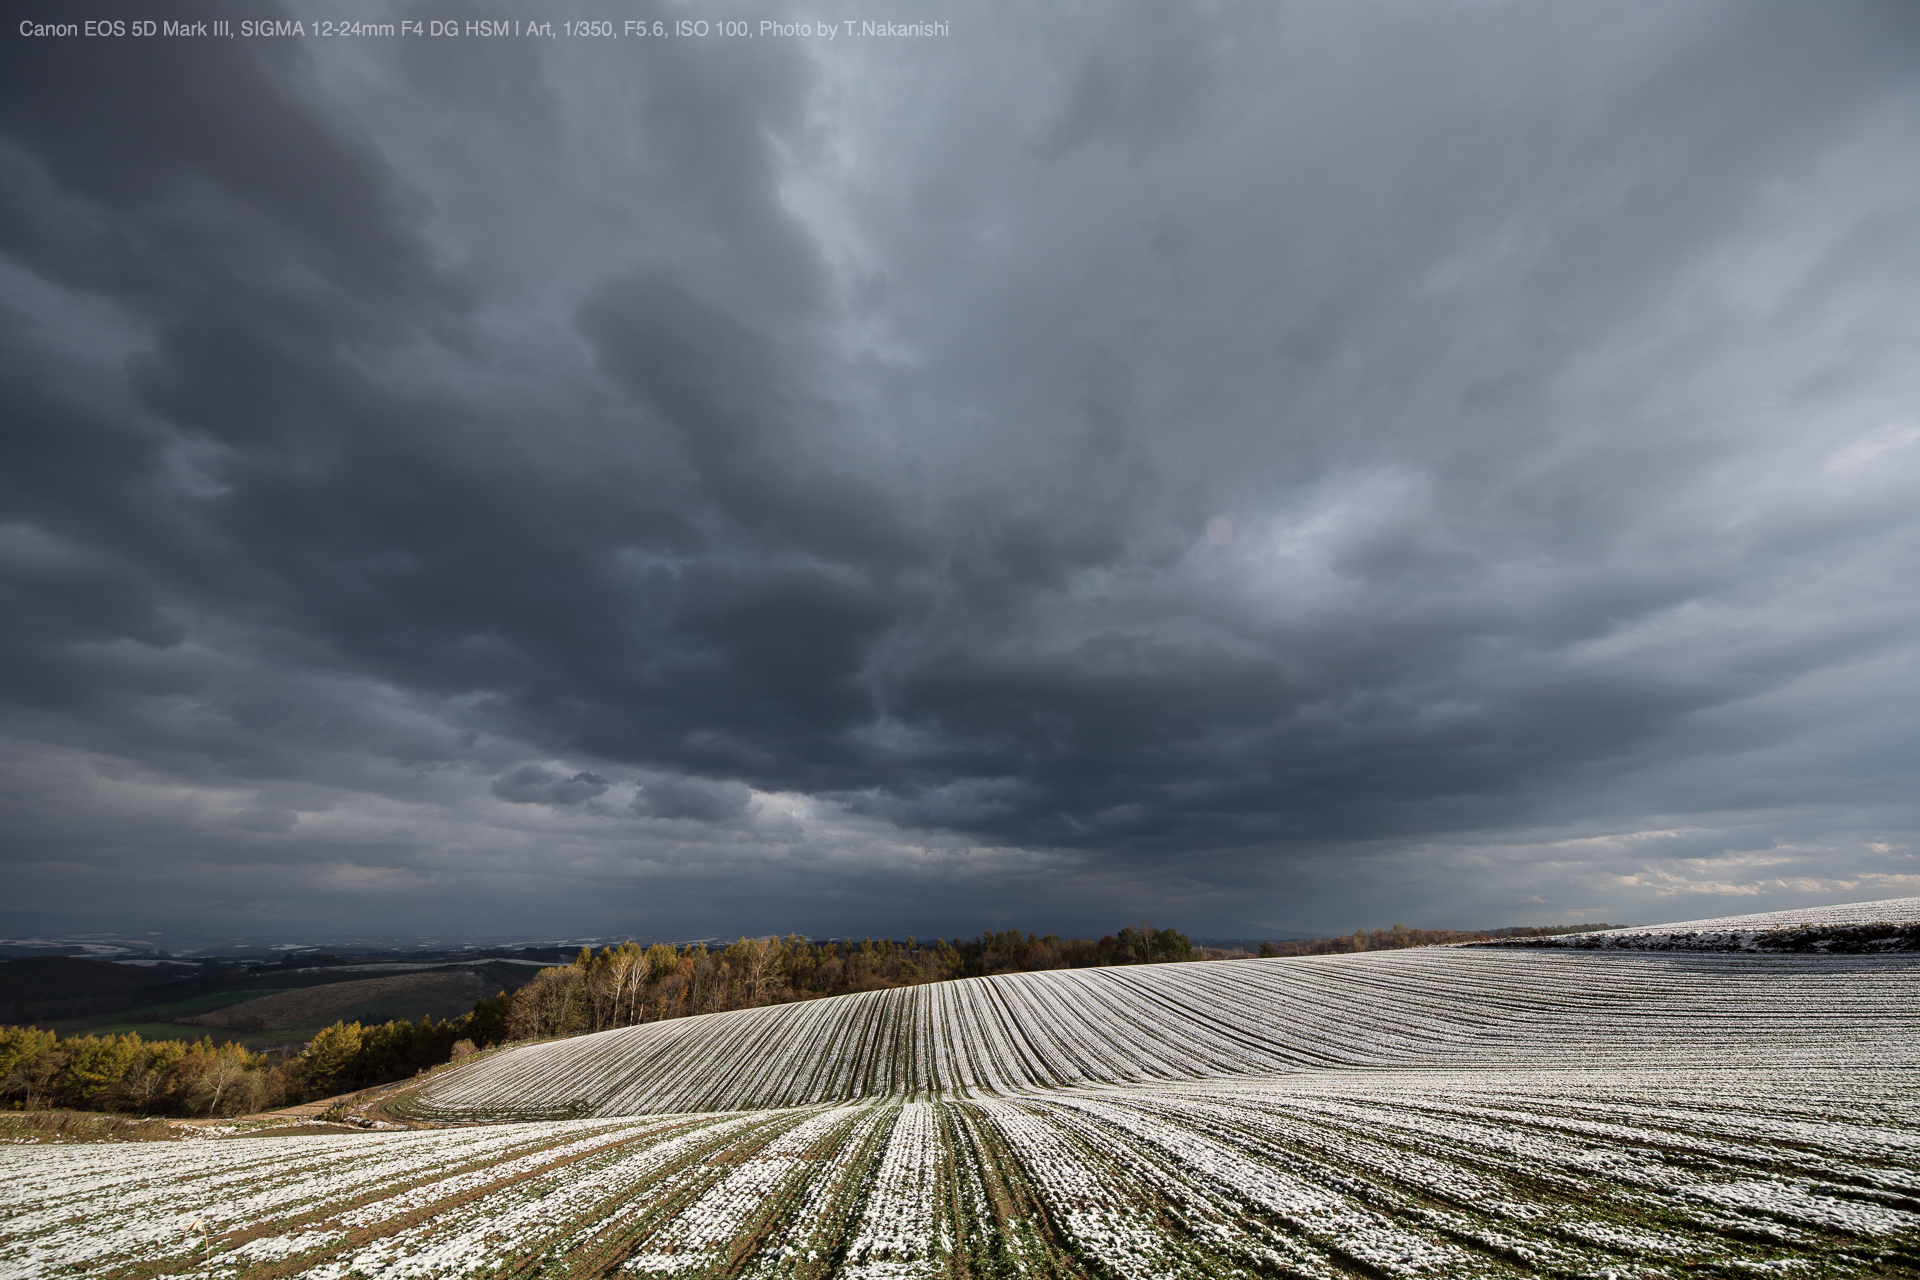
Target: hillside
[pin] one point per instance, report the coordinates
(1435, 1006)
(1405, 1115)
(1889, 925)
(263, 1007)
(440, 993)
(62, 986)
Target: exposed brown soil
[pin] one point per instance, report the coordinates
(82, 1126)
(295, 1008)
(309, 1110)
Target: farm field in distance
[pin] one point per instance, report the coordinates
(1445, 1111)
(263, 1007)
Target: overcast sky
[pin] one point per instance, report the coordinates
(1282, 467)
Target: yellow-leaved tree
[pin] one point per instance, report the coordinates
(329, 1062)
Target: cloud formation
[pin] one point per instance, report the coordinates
(531, 784)
(1308, 469)
(687, 798)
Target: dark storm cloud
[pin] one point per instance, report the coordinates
(742, 417)
(702, 802)
(830, 437)
(531, 784)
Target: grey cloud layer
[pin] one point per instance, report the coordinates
(471, 474)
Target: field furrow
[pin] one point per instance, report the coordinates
(1396, 1116)
(1401, 1173)
(993, 1036)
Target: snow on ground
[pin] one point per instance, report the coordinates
(990, 1036)
(1887, 910)
(1404, 1172)
(1813, 928)
(1428, 1113)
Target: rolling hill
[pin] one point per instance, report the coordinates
(1409, 1115)
(37, 987)
(1432, 1006)
(262, 1007)
(1854, 927)
(443, 992)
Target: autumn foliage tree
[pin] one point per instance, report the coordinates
(623, 985)
(39, 1070)
(125, 1073)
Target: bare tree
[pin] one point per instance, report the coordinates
(215, 1083)
(545, 1006)
(620, 969)
(759, 956)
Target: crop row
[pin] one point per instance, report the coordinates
(1398, 1172)
(986, 1037)
(1886, 910)
(1889, 925)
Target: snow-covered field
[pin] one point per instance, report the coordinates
(1890, 910)
(1403, 1172)
(1459, 1006)
(1432, 1113)
(1800, 930)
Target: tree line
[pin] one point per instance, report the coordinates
(40, 1070)
(629, 984)
(1401, 936)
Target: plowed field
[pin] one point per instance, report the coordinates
(317, 1004)
(1432, 1113)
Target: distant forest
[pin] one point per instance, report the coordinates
(614, 987)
